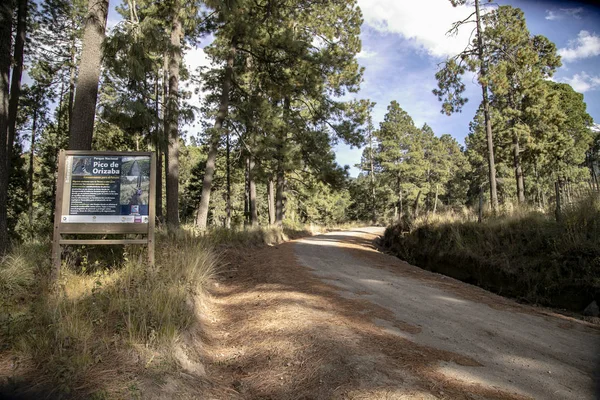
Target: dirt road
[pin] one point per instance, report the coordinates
(330, 317)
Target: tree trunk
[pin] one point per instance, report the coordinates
(172, 178)
(228, 199)
(201, 220)
(518, 170)
(271, 201)
(5, 46)
(81, 126)
(72, 70)
(15, 86)
(280, 187)
(416, 209)
(158, 149)
(252, 191)
(281, 155)
(558, 211)
(30, 172)
(486, 113)
(436, 198)
(480, 213)
(373, 204)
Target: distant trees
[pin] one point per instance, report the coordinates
(413, 169)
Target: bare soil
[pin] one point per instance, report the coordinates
(329, 317)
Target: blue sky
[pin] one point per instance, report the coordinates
(403, 42)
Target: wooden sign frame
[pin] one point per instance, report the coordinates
(85, 228)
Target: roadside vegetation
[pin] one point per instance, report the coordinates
(523, 253)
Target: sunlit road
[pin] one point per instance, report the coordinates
(520, 350)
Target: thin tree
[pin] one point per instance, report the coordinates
(6, 12)
(209, 171)
(450, 87)
(15, 85)
(172, 177)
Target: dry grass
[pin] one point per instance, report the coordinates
(523, 253)
(102, 328)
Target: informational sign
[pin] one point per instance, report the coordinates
(104, 193)
(106, 189)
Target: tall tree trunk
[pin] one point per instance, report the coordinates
(165, 124)
(486, 114)
(81, 126)
(246, 190)
(172, 178)
(30, 172)
(228, 172)
(15, 85)
(72, 71)
(518, 170)
(252, 191)
(416, 209)
(209, 171)
(5, 46)
(271, 200)
(281, 150)
(436, 198)
(158, 148)
(372, 168)
(279, 189)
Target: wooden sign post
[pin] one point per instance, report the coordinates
(104, 192)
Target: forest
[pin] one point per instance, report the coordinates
(259, 149)
(245, 147)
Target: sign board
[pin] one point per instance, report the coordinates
(105, 193)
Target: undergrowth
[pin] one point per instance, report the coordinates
(101, 324)
(522, 253)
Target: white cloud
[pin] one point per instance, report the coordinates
(586, 45)
(366, 54)
(553, 15)
(583, 82)
(424, 23)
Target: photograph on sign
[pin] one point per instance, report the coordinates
(106, 189)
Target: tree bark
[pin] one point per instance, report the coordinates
(436, 198)
(486, 114)
(281, 149)
(280, 187)
(30, 172)
(202, 219)
(372, 168)
(518, 170)
(228, 172)
(72, 70)
(271, 201)
(5, 46)
(158, 148)
(172, 178)
(15, 85)
(252, 191)
(81, 126)
(416, 210)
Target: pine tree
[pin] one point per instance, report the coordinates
(6, 12)
(450, 86)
